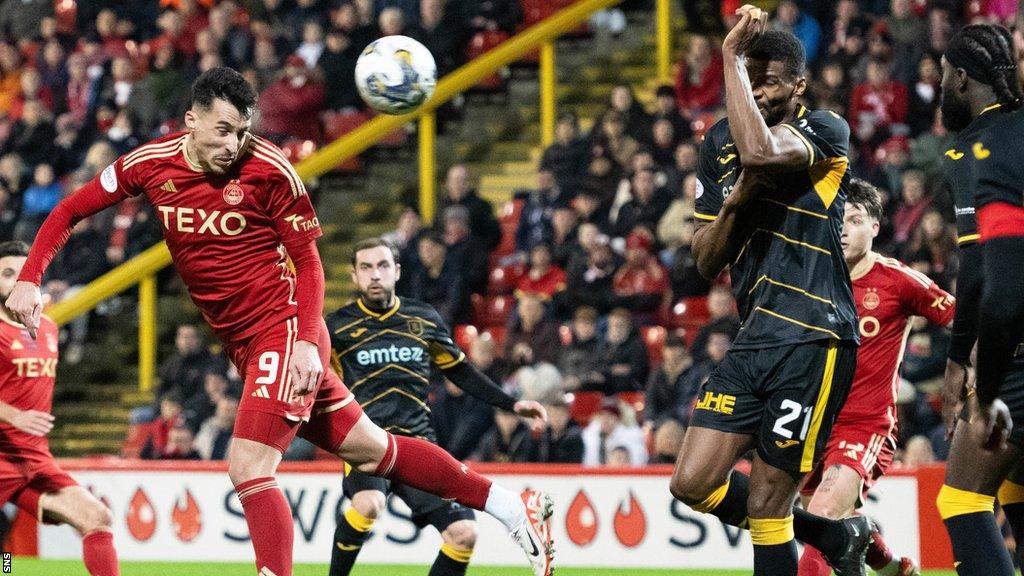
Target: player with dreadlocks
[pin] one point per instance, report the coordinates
(981, 101)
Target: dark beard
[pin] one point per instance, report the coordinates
(956, 113)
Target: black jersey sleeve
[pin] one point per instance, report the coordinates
(824, 132)
(710, 172)
(444, 353)
(1000, 172)
(968, 296)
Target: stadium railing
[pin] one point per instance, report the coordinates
(142, 269)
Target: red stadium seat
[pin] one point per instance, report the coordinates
(690, 313)
(536, 10)
(492, 310)
(584, 405)
(654, 340)
(464, 335)
(337, 125)
(480, 44)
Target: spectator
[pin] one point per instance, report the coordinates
(665, 386)
(405, 239)
(197, 409)
(179, 445)
(214, 436)
(700, 78)
(118, 87)
(684, 164)
(81, 90)
(509, 441)
(612, 428)
(915, 204)
(460, 419)
(564, 245)
(20, 19)
(624, 357)
(290, 106)
(482, 222)
(392, 22)
(722, 309)
(80, 262)
(32, 89)
(905, 27)
(617, 456)
(683, 276)
(337, 62)
(532, 338)
(543, 278)
(313, 45)
(830, 88)
(666, 441)
(693, 378)
(10, 77)
(579, 361)
(168, 417)
(567, 155)
(878, 105)
(637, 121)
(645, 208)
(641, 284)
(492, 15)
(31, 135)
(789, 19)
(932, 249)
(442, 33)
(39, 199)
(535, 218)
(162, 94)
(438, 282)
(612, 140)
(663, 143)
(924, 96)
(598, 190)
(562, 442)
(671, 226)
(266, 65)
(924, 358)
(590, 283)
(537, 381)
(185, 370)
(665, 108)
(466, 252)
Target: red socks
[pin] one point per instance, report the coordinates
(270, 525)
(812, 563)
(99, 555)
(426, 466)
(879, 554)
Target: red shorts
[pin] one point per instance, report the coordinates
(867, 447)
(24, 481)
(269, 412)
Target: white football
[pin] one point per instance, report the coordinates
(396, 74)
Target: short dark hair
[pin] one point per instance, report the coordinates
(373, 243)
(675, 341)
(779, 46)
(862, 193)
(13, 248)
(224, 83)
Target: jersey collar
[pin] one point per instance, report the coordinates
(865, 266)
(378, 315)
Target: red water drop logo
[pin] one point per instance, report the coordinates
(581, 520)
(631, 524)
(187, 518)
(141, 518)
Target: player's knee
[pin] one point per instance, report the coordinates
(826, 509)
(369, 503)
(769, 498)
(690, 486)
(461, 534)
(94, 516)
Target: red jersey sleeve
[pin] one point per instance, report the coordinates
(109, 187)
(922, 297)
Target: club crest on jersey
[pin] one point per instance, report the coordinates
(51, 343)
(416, 327)
(233, 193)
(871, 300)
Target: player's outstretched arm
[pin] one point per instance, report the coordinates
(31, 422)
(964, 334)
(475, 382)
(758, 145)
(305, 366)
(717, 244)
(25, 301)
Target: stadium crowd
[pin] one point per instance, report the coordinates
(583, 294)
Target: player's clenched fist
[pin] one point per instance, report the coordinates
(32, 422)
(26, 304)
(753, 22)
(305, 367)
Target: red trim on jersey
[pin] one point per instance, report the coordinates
(56, 229)
(1000, 220)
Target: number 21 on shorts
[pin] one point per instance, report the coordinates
(793, 411)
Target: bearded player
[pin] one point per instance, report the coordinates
(981, 103)
(387, 347)
(29, 476)
(860, 449)
(772, 190)
(234, 213)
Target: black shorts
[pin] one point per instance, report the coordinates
(427, 508)
(787, 396)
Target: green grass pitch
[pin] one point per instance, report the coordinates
(36, 567)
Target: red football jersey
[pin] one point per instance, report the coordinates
(27, 371)
(887, 295)
(225, 232)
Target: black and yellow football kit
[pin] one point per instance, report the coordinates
(385, 358)
(972, 166)
(791, 366)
